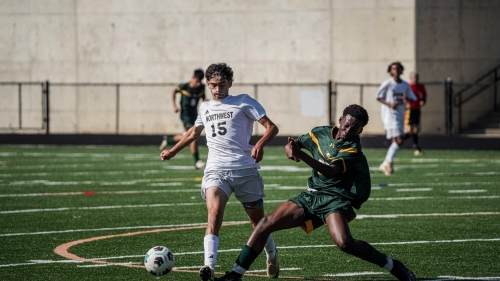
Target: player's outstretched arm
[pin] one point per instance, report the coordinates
(192, 134)
(271, 132)
(294, 152)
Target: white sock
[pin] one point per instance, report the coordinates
(270, 248)
(211, 245)
(391, 152)
(238, 269)
(389, 264)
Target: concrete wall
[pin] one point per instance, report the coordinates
(367, 36)
(159, 41)
(282, 41)
(457, 39)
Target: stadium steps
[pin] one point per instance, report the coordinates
(488, 124)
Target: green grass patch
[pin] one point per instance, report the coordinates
(446, 206)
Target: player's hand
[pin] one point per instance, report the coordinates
(393, 105)
(291, 149)
(422, 103)
(176, 109)
(257, 153)
(166, 155)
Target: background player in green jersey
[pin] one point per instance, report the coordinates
(191, 93)
(340, 182)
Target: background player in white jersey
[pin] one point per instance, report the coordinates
(232, 162)
(393, 94)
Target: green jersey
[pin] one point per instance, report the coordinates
(190, 98)
(354, 183)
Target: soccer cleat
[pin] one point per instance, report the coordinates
(402, 273)
(206, 273)
(199, 164)
(386, 168)
(230, 276)
(273, 267)
(163, 143)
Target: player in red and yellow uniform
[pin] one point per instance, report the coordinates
(414, 108)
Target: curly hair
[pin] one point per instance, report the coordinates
(395, 63)
(219, 69)
(358, 112)
(198, 73)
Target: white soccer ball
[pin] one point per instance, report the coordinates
(159, 260)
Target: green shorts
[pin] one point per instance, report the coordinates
(188, 120)
(317, 207)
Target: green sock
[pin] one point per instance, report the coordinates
(376, 257)
(247, 257)
(196, 157)
(170, 140)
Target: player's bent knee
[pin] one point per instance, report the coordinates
(345, 245)
(264, 225)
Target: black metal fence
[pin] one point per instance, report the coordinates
(130, 108)
(105, 108)
(470, 92)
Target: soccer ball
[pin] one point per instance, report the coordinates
(159, 260)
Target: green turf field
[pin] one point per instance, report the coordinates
(440, 214)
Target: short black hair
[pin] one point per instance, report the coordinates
(198, 73)
(395, 63)
(358, 112)
(219, 69)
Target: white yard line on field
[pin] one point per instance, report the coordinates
(283, 248)
(98, 192)
(57, 183)
(392, 216)
(466, 278)
(468, 191)
(86, 173)
(281, 269)
(354, 274)
(311, 246)
(40, 262)
(413, 189)
(464, 174)
(384, 185)
(202, 203)
(360, 216)
(118, 207)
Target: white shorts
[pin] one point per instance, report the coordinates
(247, 184)
(394, 132)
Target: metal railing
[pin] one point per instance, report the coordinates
(37, 118)
(104, 108)
(474, 89)
(28, 90)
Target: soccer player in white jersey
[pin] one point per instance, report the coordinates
(393, 94)
(232, 162)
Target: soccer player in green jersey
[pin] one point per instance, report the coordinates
(339, 183)
(191, 93)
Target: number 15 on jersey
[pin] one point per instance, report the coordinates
(221, 129)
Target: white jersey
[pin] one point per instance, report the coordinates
(228, 125)
(392, 91)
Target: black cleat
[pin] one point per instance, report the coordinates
(206, 273)
(230, 276)
(400, 271)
